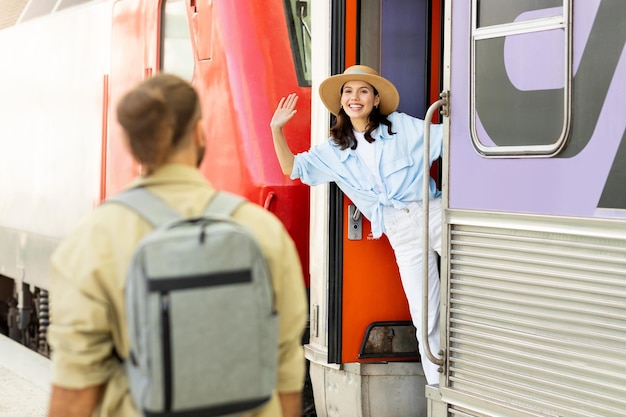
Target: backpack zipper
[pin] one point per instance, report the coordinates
(167, 351)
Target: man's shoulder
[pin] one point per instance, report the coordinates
(93, 224)
(266, 227)
(250, 212)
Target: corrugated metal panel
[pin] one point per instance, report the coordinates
(10, 11)
(537, 315)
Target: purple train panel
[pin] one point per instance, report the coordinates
(538, 107)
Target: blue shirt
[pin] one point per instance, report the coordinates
(399, 159)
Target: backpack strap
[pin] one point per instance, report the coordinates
(224, 204)
(153, 209)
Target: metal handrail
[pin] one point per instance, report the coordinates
(425, 225)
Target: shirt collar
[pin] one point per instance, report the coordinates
(381, 132)
(170, 174)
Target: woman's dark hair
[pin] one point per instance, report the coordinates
(156, 116)
(342, 130)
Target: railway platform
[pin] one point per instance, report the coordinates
(24, 381)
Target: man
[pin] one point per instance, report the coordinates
(162, 124)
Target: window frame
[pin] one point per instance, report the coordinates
(189, 70)
(301, 54)
(564, 22)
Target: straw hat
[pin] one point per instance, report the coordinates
(330, 89)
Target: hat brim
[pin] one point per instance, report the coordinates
(330, 91)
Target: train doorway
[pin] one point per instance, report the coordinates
(361, 326)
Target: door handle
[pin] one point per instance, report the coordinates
(355, 223)
(443, 102)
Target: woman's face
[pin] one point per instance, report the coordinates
(358, 99)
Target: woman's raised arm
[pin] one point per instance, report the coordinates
(284, 112)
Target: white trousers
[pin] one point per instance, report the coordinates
(404, 231)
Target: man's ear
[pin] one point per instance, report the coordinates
(198, 133)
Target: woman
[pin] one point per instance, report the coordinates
(375, 155)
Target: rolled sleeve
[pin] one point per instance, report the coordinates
(317, 166)
(436, 141)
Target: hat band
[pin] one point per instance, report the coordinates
(358, 72)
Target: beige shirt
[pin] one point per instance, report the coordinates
(87, 290)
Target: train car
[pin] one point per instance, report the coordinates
(533, 266)
(65, 65)
(535, 263)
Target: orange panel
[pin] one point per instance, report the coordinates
(350, 35)
(435, 68)
(435, 50)
(372, 290)
(251, 67)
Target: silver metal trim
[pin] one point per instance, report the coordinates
(25, 256)
(517, 28)
(439, 410)
(426, 210)
(526, 294)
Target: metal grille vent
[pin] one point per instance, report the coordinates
(538, 320)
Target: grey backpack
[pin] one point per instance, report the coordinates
(200, 313)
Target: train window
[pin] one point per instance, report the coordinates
(521, 77)
(299, 23)
(176, 48)
(370, 34)
(498, 12)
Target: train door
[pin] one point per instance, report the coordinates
(362, 339)
(129, 65)
(147, 36)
